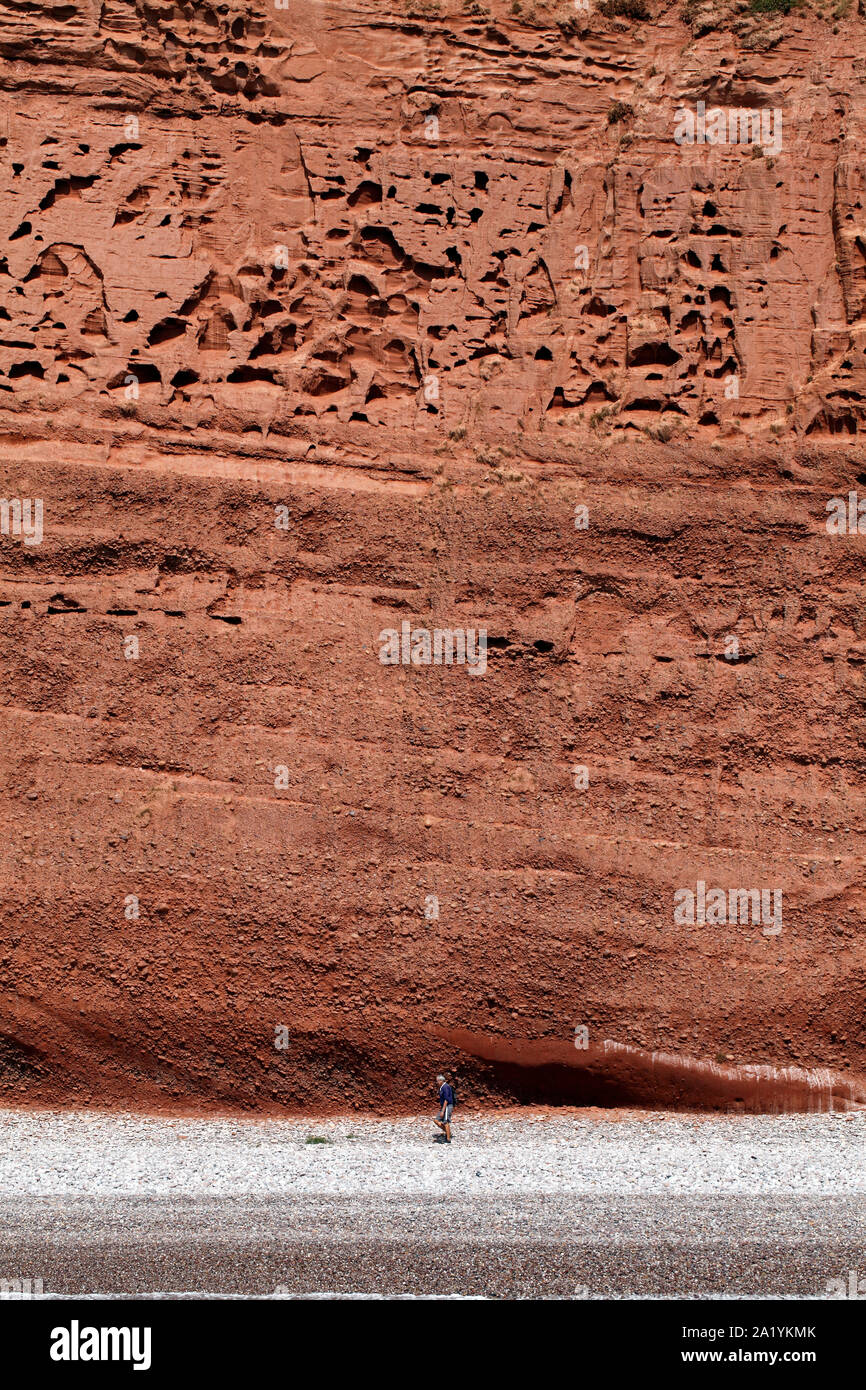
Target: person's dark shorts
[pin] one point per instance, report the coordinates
(446, 1118)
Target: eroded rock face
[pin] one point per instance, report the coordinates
(319, 321)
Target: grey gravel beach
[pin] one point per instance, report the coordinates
(555, 1204)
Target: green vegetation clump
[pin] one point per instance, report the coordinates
(317, 1139)
(624, 9)
(704, 16)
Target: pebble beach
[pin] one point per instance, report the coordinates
(523, 1203)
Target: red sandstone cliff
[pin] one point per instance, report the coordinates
(429, 278)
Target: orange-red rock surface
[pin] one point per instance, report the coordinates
(428, 278)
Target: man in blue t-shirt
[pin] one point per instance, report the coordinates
(446, 1105)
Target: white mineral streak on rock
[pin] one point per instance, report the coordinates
(780, 1089)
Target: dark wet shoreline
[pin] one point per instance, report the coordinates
(509, 1247)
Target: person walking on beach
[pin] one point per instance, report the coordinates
(446, 1105)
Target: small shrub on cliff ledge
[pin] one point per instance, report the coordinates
(624, 9)
(740, 16)
(620, 111)
(598, 417)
